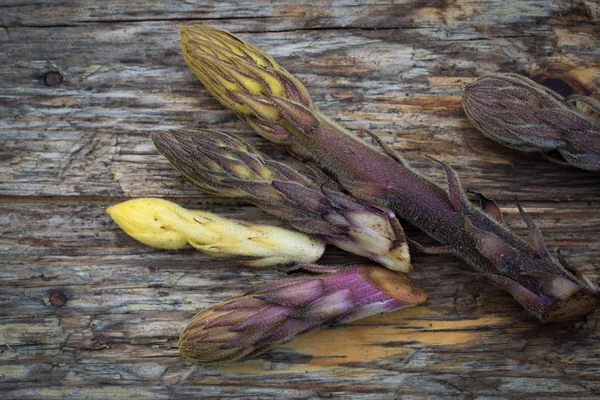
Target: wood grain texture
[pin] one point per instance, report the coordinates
(396, 68)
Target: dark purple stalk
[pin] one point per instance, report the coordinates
(549, 290)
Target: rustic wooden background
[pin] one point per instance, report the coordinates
(70, 149)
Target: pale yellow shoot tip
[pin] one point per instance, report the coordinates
(165, 225)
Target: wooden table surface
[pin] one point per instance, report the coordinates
(71, 149)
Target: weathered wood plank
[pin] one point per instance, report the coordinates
(127, 303)
(88, 136)
(264, 15)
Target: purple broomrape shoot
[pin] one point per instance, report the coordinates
(523, 115)
(541, 283)
(309, 201)
(276, 312)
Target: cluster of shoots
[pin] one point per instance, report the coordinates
(348, 193)
(165, 225)
(249, 82)
(523, 115)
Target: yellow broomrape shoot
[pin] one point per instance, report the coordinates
(165, 225)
